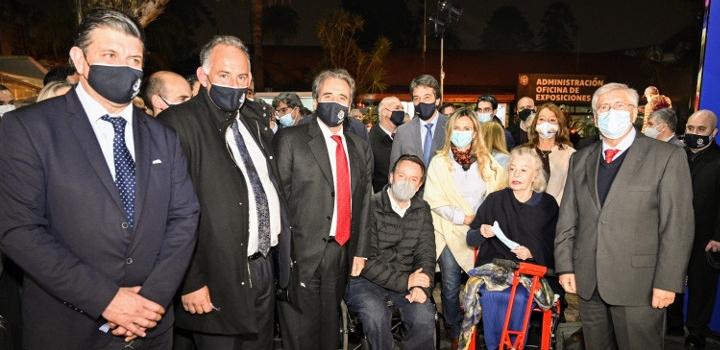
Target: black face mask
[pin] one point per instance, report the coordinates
(118, 84)
(525, 114)
(425, 111)
(397, 117)
(227, 98)
(331, 113)
(696, 141)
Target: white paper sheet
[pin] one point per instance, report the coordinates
(501, 236)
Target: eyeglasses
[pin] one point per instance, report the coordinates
(617, 105)
(284, 110)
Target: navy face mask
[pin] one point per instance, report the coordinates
(227, 98)
(397, 117)
(425, 111)
(118, 84)
(331, 113)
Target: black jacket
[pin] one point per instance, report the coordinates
(220, 259)
(381, 144)
(351, 124)
(307, 184)
(705, 172)
(399, 245)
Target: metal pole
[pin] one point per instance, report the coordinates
(442, 68)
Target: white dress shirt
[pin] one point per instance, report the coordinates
(104, 131)
(622, 146)
(423, 129)
(258, 159)
(331, 146)
(396, 206)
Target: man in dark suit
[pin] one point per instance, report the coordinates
(704, 156)
(96, 204)
(487, 107)
(229, 291)
(624, 251)
(424, 134)
(390, 116)
(326, 174)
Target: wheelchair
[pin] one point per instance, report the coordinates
(527, 336)
(354, 339)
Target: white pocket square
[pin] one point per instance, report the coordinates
(157, 161)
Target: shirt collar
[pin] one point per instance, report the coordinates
(396, 206)
(624, 144)
(95, 110)
(432, 120)
(326, 130)
(385, 130)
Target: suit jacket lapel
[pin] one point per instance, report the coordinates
(592, 163)
(417, 139)
(439, 135)
(85, 135)
(355, 161)
(319, 150)
(142, 162)
(628, 169)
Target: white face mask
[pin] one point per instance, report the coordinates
(614, 123)
(402, 190)
(651, 132)
(546, 130)
(6, 108)
(484, 117)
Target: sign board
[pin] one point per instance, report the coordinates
(567, 89)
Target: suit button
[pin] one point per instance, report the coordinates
(332, 194)
(124, 225)
(129, 261)
(242, 283)
(271, 157)
(239, 204)
(329, 217)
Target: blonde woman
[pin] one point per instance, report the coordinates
(494, 136)
(527, 216)
(550, 136)
(460, 176)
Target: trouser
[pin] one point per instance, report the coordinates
(370, 302)
(261, 272)
(451, 283)
(314, 322)
(494, 308)
(607, 327)
(702, 289)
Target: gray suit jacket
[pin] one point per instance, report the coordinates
(641, 238)
(408, 139)
(676, 141)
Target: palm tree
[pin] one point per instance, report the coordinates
(145, 11)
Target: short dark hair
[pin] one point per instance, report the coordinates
(667, 116)
(488, 98)
(291, 99)
(425, 80)
(59, 73)
(110, 19)
(410, 158)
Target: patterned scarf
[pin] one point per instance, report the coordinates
(464, 158)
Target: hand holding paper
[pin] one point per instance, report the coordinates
(501, 236)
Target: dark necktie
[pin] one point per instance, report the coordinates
(427, 145)
(261, 202)
(342, 229)
(610, 155)
(124, 167)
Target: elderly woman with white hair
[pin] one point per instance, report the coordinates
(526, 215)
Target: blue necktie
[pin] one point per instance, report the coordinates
(427, 145)
(124, 167)
(261, 202)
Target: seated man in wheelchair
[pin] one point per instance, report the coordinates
(527, 216)
(401, 264)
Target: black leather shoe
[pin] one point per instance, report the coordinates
(695, 341)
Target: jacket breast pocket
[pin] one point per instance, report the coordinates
(644, 260)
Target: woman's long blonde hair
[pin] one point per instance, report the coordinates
(478, 148)
(494, 136)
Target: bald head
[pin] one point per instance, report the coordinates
(702, 122)
(165, 89)
(389, 104)
(525, 103)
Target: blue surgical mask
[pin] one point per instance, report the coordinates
(461, 138)
(286, 120)
(614, 123)
(484, 117)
